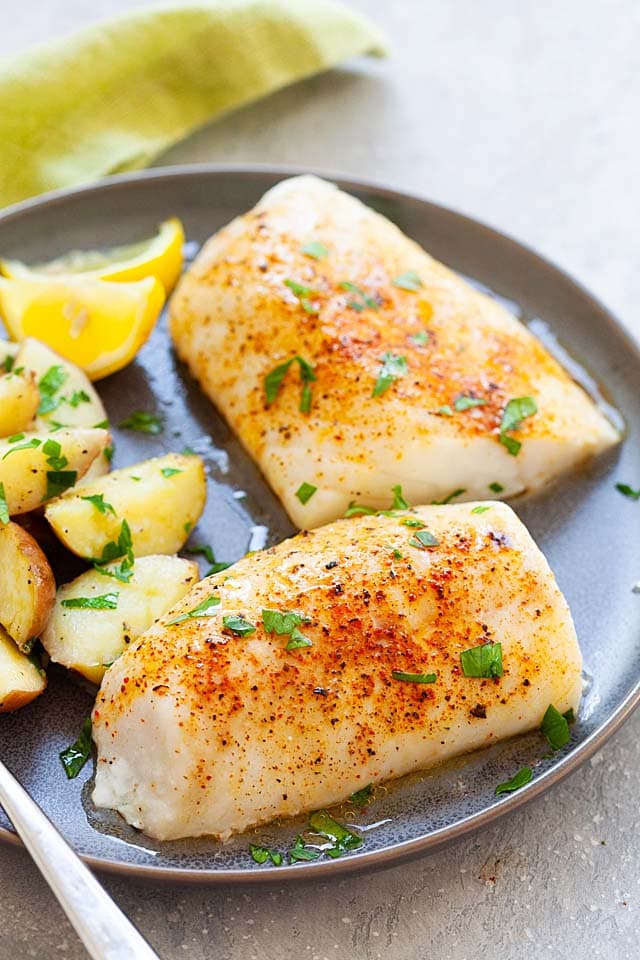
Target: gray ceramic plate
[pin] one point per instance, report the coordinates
(588, 531)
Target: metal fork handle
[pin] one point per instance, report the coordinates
(103, 928)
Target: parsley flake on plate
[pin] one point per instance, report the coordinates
(362, 797)
(143, 422)
(262, 854)
(521, 778)
(555, 728)
(343, 839)
(628, 491)
(74, 757)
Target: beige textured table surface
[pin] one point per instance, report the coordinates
(526, 116)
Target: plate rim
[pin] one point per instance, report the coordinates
(396, 853)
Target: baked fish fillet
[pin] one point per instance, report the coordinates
(203, 730)
(254, 300)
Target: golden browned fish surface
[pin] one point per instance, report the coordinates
(254, 300)
(203, 730)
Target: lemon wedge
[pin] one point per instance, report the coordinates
(97, 324)
(159, 256)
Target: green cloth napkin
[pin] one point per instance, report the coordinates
(114, 96)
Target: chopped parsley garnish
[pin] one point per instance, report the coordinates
(569, 715)
(496, 487)
(521, 778)
(206, 551)
(360, 510)
(108, 453)
(423, 539)
(481, 508)
(15, 438)
(482, 661)
(204, 609)
(343, 839)
(49, 384)
(409, 280)
(107, 601)
(513, 414)
(53, 452)
(449, 498)
(445, 410)
(363, 301)
(413, 522)
(273, 381)
(78, 397)
(304, 294)
(282, 621)
(143, 422)
(238, 625)
(393, 368)
(414, 677)
(399, 502)
(298, 640)
(58, 481)
(300, 851)
(362, 797)
(305, 491)
(314, 249)
(555, 728)
(628, 491)
(465, 402)
(101, 505)
(420, 339)
(262, 854)
(114, 550)
(74, 757)
(396, 554)
(170, 472)
(8, 363)
(29, 445)
(4, 506)
(102, 425)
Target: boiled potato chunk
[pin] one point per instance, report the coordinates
(19, 399)
(89, 640)
(20, 679)
(30, 468)
(27, 586)
(68, 396)
(161, 499)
